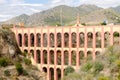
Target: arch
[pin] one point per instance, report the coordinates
(38, 56)
(51, 73)
(38, 40)
(52, 40)
(58, 74)
(97, 53)
(31, 39)
(51, 57)
(66, 57)
(90, 39)
(74, 38)
(66, 40)
(32, 53)
(44, 69)
(98, 39)
(26, 40)
(116, 36)
(73, 57)
(106, 39)
(45, 39)
(25, 51)
(81, 39)
(89, 55)
(59, 57)
(81, 57)
(44, 56)
(59, 40)
(20, 39)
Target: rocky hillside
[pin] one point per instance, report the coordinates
(13, 63)
(52, 17)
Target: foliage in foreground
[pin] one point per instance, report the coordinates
(105, 67)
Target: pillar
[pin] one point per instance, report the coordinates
(102, 33)
(70, 46)
(77, 51)
(94, 43)
(85, 44)
(111, 35)
(28, 40)
(35, 55)
(22, 39)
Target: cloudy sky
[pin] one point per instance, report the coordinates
(11, 8)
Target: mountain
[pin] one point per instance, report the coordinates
(16, 20)
(116, 8)
(67, 14)
(100, 16)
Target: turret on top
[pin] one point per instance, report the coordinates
(78, 21)
(21, 25)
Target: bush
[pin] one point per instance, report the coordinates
(27, 61)
(19, 68)
(4, 62)
(86, 67)
(68, 70)
(25, 73)
(7, 73)
(103, 78)
(98, 66)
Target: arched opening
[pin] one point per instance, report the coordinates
(66, 40)
(44, 56)
(59, 57)
(59, 40)
(51, 74)
(38, 40)
(45, 40)
(32, 53)
(44, 69)
(31, 39)
(26, 51)
(26, 40)
(58, 74)
(81, 57)
(90, 39)
(20, 40)
(89, 55)
(73, 58)
(52, 40)
(38, 56)
(51, 57)
(98, 40)
(116, 38)
(66, 54)
(73, 37)
(81, 39)
(97, 53)
(106, 39)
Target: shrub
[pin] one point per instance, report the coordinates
(19, 68)
(103, 78)
(25, 73)
(68, 70)
(27, 61)
(98, 66)
(86, 67)
(4, 62)
(7, 73)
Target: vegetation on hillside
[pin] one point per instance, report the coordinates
(89, 14)
(105, 67)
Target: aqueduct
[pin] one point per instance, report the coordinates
(54, 48)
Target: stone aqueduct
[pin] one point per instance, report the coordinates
(54, 48)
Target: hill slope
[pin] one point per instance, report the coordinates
(52, 17)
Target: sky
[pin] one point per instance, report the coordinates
(11, 8)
